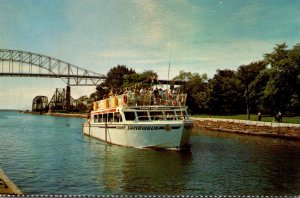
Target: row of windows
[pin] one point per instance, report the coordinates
(141, 116)
(108, 117)
(156, 115)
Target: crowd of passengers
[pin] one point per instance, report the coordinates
(149, 96)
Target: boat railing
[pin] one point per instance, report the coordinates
(134, 99)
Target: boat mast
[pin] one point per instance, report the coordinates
(169, 75)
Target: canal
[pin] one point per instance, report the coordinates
(49, 155)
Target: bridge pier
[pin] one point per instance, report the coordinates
(68, 98)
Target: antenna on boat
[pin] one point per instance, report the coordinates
(169, 75)
(171, 50)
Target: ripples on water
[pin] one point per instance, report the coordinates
(49, 155)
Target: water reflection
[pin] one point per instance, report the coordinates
(283, 169)
(249, 164)
(50, 155)
(129, 170)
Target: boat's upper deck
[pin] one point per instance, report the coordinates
(132, 99)
(140, 107)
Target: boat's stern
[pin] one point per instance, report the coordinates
(186, 134)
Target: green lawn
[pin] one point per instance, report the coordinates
(253, 117)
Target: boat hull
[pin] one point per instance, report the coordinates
(142, 135)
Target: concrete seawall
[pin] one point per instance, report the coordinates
(270, 129)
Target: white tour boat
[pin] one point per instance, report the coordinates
(141, 121)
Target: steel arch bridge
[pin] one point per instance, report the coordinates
(27, 64)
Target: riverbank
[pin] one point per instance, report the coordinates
(7, 187)
(268, 129)
(74, 115)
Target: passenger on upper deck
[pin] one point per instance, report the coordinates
(155, 92)
(142, 96)
(142, 91)
(174, 94)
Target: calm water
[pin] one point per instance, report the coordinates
(49, 155)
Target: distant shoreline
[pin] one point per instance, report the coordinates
(10, 110)
(73, 115)
(267, 129)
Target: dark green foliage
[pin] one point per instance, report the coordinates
(115, 77)
(268, 86)
(226, 96)
(247, 74)
(144, 79)
(196, 89)
(100, 93)
(256, 92)
(282, 88)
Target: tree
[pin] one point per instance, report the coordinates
(256, 91)
(100, 93)
(115, 77)
(83, 103)
(284, 71)
(294, 56)
(226, 96)
(276, 88)
(138, 80)
(196, 89)
(247, 74)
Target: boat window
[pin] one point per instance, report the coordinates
(156, 115)
(142, 115)
(105, 117)
(110, 117)
(100, 118)
(117, 117)
(170, 115)
(129, 115)
(95, 118)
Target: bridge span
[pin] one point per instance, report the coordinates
(28, 64)
(17, 63)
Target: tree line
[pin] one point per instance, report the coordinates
(268, 86)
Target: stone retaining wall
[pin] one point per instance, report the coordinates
(282, 130)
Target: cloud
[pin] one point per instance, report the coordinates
(164, 23)
(150, 28)
(116, 54)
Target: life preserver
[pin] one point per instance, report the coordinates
(125, 99)
(174, 103)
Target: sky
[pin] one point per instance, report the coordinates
(198, 36)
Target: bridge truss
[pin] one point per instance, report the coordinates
(27, 64)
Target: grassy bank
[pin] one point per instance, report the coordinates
(253, 117)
